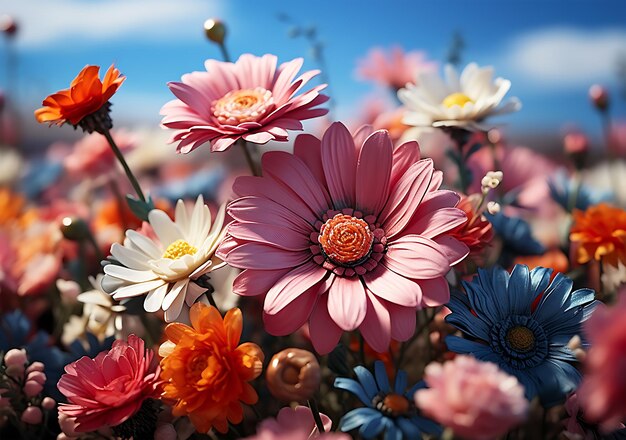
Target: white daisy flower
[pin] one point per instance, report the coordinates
(164, 268)
(463, 101)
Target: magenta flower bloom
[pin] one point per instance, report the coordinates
(347, 233)
(251, 99)
(108, 390)
(476, 399)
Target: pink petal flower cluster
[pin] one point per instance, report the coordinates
(601, 394)
(347, 233)
(251, 99)
(92, 155)
(109, 389)
(476, 399)
(295, 424)
(393, 68)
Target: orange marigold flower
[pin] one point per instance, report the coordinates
(554, 259)
(599, 233)
(206, 370)
(86, 96)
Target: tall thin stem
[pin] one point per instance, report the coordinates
(316, 416)
(248, 155)
(224, 51)
(120, 157)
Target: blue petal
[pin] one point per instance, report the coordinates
(393, 433)
(353, 387)
(410, 393)
(465, 321)
(401, 382)
(381, 376)
(554, 298)
(358, 417)
(409, 429)
(482, 299)
(373, 427)
(427, 425)
(367, 381)
(479, 351)
(520, 294)
(539, 280)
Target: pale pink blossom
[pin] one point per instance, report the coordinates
(92, 155)
(252, 99)
(295, 424)
(348, 233)
(475, 399)
(394, 67)
(601, 394)
(111, 388)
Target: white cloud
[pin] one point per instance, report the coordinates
(46, 23)
(566, 57)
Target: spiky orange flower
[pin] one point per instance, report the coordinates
(206, 370)
(599, 233)
(86, 95)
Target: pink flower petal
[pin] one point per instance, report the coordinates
(403, 321)
(414, 256)
(339, 162)
(292, 285)
(277, 236)
(404, 156)
(434, 223)
(261, 210)
(324, 332)
(455, 250)
(373, 172)
(392, 287)
(436, 291)
(309, 148)
(376, 327)
(252, 282)
(346, 302)
(264, 257)
(293, 316)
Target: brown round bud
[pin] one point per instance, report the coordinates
(599, 97)
(293, 375)
(8, 25)
(74, 229)
(215, 30)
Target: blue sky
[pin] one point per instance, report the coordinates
(552, 50)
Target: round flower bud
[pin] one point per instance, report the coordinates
(35, 366)
(8, 25)
(575, 143)
(36, 376)
(165, 432)
(48, 403)
(599, 97)
(74, 229)
(32, 388)
(293, 375)
(215, 30)
(15, 357)
(32, 415)
(493, 208)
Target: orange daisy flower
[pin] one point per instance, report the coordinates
(206, 370)
(599, 233)
(86, 96)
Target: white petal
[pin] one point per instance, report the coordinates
(193, 293)
(173, 309)
(175, 291)
(124, 273)
(136, 289)
(167, 231)
(144, 243)
(129, 257)
(182, 219)
(154, 299)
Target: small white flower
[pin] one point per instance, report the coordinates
(164, 268)
(491, 180)
(461, 101)
(493, 208)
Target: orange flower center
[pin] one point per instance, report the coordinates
(238, 106)
(196, 366)
(346, 240)
(178, 249)
(521, 338)
(395, 404)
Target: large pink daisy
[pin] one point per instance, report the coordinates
(251, 99)
(347, 233)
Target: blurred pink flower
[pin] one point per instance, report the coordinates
(394, 67)
(603, 388)
(92, 154)
(525, 175)
(474, 398)
(250, 99)
(347, 233)
(575, 427)
(111, 388)
(295, 424)
(618, 138)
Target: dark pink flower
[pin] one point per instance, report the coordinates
(251, 99)
(295, 424)
(109, 389)
(347, 233)
(601, 394)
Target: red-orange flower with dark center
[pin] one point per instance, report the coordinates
(206, 370)
(599, 233)
(86, 95)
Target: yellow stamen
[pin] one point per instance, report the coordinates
(179, 248)
(459, 99)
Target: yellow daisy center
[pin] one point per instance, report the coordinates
(178, 249)
(459, 99)
(521, 338)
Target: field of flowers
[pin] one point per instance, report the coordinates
(410, 276)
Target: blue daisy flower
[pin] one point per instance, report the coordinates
(563, 189)
(523, 322)
(387, 410)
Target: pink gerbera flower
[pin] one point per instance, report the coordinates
(394, 67)
(347, 233)
(250, 99)
(108, 390)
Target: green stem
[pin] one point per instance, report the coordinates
(248, 155)
(120, 157)
(224, 51)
